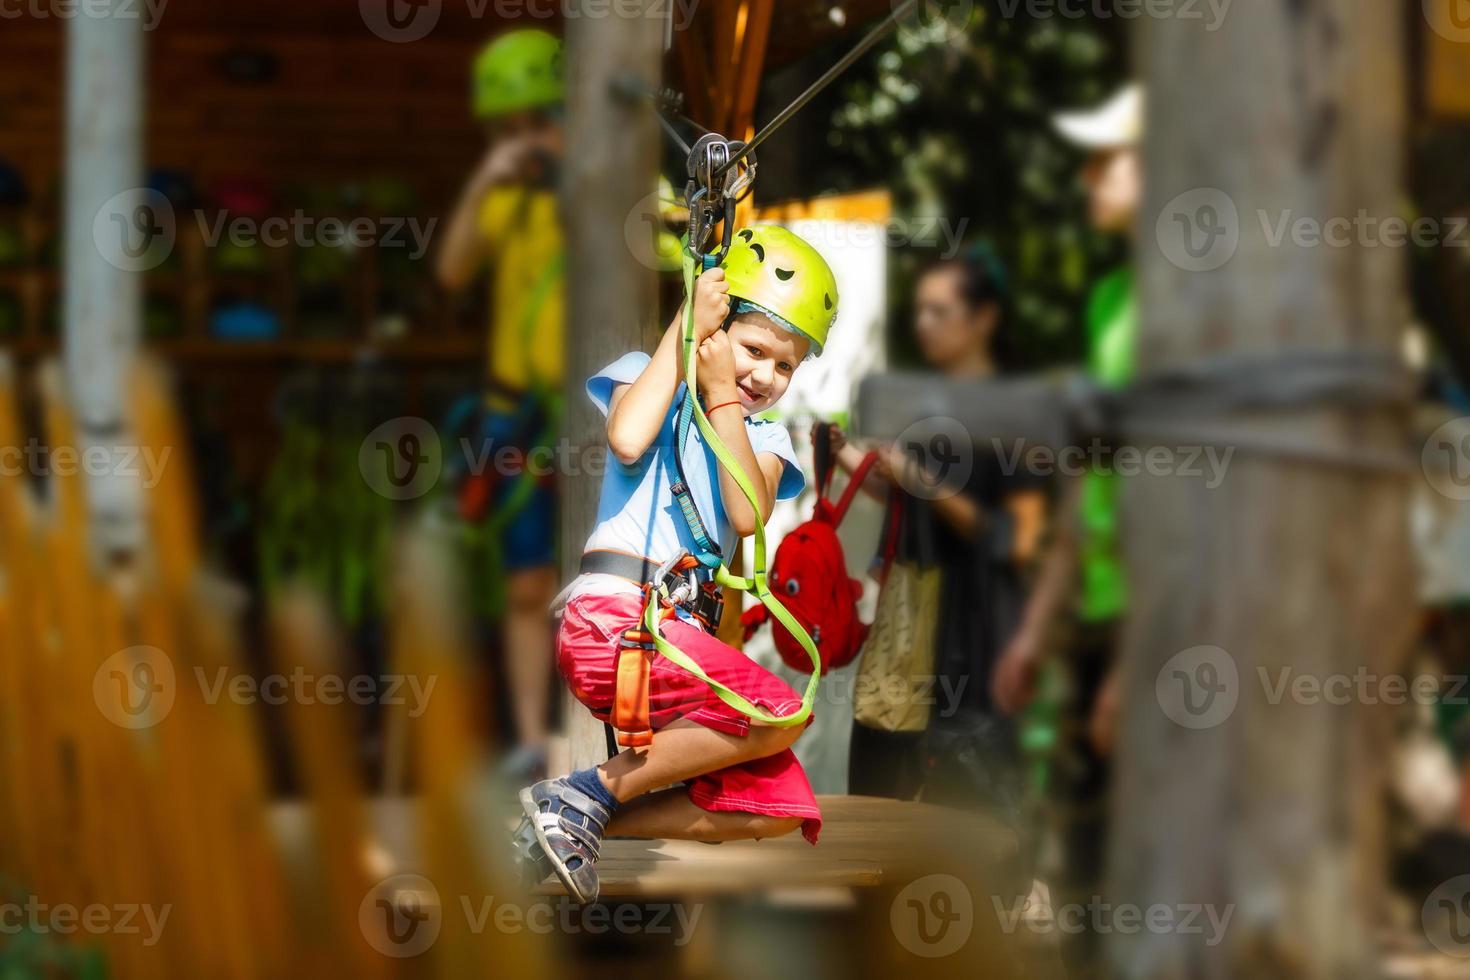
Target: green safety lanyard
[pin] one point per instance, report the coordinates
(756, 583)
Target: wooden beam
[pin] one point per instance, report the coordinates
(692, 49)
(723, 41)
(749, 68)
(1268, 808)
(1034, 410)
(611, 162)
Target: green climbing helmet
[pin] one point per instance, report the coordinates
(518, 70)
(774, 269)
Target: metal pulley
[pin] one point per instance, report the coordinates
(715, 187)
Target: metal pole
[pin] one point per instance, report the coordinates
(111, 235)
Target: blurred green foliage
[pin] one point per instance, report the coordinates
(958, 126)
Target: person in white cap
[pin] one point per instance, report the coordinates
(1085, 562)
(1112, 133)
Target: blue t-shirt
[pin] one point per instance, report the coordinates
(637, 512)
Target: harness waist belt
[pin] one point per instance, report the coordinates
(634, 568)
(707, 604)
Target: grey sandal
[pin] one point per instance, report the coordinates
(569, 825)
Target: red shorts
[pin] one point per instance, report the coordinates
(586, 655)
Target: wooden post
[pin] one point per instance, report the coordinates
(1270, 811)
(612, 156)
(114, 232)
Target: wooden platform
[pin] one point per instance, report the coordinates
(843, 900)
(865, 842)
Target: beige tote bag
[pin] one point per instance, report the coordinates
(895, 687)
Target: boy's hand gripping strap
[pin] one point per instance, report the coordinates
(756, 583)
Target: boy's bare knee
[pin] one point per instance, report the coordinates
(777, 739)
(790, 734)
(778, 826)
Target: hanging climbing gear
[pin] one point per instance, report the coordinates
(688, 586)
(680, 584)
(720, 173)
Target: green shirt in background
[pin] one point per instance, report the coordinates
(1112, 333)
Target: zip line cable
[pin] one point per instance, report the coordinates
(664, 107)
(815, 88)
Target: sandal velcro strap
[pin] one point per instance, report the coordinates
(570, 826)
(583, 805)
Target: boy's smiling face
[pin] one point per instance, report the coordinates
(766, 357)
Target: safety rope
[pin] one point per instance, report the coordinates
(755, 584)
(707, 180)
(707, 550)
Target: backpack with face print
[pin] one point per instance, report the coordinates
(809, 574)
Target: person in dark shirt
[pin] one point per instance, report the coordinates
(980, 533)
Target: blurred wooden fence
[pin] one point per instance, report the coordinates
(127, 782)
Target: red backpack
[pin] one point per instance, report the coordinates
(809, 576)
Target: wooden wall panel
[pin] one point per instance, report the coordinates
(337, 108)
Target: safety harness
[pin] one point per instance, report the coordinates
(720, 172)
(678, 584)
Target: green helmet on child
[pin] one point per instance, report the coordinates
(518, 70)
(774, 270)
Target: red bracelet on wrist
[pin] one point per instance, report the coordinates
(711, 411)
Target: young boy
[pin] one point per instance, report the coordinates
(741, 779)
